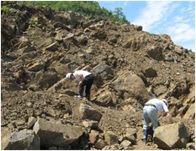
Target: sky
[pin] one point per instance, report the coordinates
(175, 18)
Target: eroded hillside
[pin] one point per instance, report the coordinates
(39, 46)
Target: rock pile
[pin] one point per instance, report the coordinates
(38, 110)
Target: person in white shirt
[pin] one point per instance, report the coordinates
(85, 79)
(150, 114)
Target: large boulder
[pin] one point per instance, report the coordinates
(22, 140)
(87, 112)
(190, 114)
(111, 138)
(102, 72)
(5, 138)
(53, 133)
(155, 52)
(107, 98)
(171, 136)
(132, 86)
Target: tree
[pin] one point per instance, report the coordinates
(86, 8)
(118, 12)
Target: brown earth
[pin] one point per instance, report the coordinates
(39, 46)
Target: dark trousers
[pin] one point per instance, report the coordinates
(88, 81)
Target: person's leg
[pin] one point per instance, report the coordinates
(154, 118)
(81, 89)
(150, 132)
(89, 81)
(88, 88)
(152, 112)
(146, 123)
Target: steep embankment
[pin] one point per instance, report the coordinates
(131, 66)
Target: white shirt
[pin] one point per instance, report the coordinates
(78, 73)
(160, 105)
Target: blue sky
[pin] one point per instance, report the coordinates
(175, 18)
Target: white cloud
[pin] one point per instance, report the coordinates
(175, 18)
(181, 32)
(178, 19)
(152, 14)
(169, 17)
(182, 26)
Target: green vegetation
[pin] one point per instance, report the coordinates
(86, 8)
(6, 9)
(33, 22)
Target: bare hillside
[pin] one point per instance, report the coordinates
(38, 48)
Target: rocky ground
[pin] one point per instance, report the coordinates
(39, 46)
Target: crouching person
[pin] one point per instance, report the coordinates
(150, 115)
(85, 79)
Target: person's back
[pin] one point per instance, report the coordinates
(85, 79)
(160, 105)
(79, 73)
(150, 114)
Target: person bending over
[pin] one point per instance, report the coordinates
(150, 114)
(85, 79)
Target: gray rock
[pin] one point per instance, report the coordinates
(155, 53)
(53, 133)
(93, 136)
(171, 136)
(31, 122)
(100, 144)
(150, 72)
(190, 112)
(87, 112)
(5, 137)
(22, 140)
(52, 47)
(103, 70)
(90, 124)
(136, 89)
(110, 138)
(125, 144)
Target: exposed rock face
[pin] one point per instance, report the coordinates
(39, 46)
(5, 138)
(87, 112)
(110, 138)
(52, 133)
(171, 136)
(25, 139)
(129, 85)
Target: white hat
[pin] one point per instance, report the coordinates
(68, 76)
(165, 101)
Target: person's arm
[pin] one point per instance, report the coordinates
(169, 117)
(81, 78)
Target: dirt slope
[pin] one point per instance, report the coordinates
(131, 66)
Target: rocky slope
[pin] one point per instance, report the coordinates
(39, 46)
